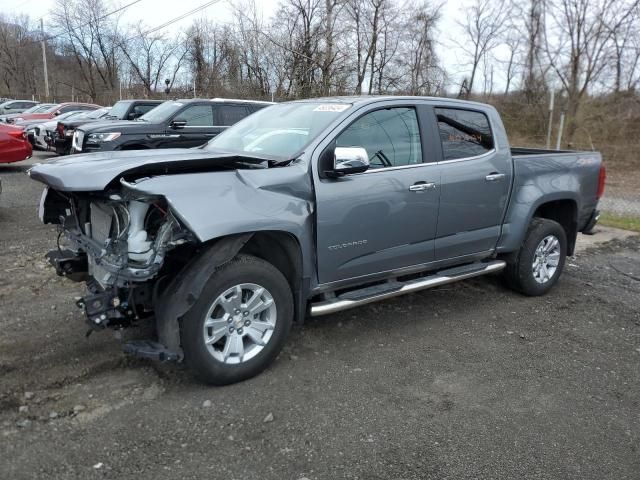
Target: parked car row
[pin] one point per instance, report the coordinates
(129, 125)
(16, 106)
(174, 124)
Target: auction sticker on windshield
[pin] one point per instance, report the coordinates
(331, 107)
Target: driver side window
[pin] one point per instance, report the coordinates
(390, 136)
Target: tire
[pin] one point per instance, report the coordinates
(221, 363)
(522, 272)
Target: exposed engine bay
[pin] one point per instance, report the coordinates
(117, 242)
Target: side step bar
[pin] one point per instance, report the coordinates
(353, 299)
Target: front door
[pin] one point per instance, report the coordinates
(383, 219)
(475, 181)
(200, 127)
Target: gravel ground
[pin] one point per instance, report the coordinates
(465, 381)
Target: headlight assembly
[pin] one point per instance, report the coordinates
(103, 137)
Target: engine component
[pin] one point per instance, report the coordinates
(69, 264)
(139, 247)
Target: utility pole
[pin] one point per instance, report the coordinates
(44, 61)
(553, 92)
(560, 128)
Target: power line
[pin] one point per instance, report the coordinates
(97, 19)
(173, 20)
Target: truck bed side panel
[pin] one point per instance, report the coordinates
(544, 178)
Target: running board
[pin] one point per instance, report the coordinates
(393, 289)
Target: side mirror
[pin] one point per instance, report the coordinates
(133, 116)
(56, 113)
(350, 160)
(178, 123)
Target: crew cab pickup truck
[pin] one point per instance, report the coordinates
(122, 110)
(309, 208)
(175, 123)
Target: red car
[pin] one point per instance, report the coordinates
(51, 112)
(14, 144)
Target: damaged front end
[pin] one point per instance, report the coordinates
(118, 243)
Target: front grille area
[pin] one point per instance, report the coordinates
(78, 138)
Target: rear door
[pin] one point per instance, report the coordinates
(201, 125)
(385, 218)
(475, 180)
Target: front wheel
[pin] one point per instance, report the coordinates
(536, 267)
(239, 323)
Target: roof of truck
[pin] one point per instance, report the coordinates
(362, 99)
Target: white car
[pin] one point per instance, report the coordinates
(42, 135)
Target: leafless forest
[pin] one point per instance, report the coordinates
(586, 51)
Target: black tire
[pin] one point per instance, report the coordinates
(519, 273)
(242, 269)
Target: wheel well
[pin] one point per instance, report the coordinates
(565, 212)
(281, 250)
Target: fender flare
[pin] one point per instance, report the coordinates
(184, 289)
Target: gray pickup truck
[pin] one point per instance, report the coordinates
(309, 208)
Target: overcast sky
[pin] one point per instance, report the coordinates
(157, 12)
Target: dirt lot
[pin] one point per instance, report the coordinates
(465, 381)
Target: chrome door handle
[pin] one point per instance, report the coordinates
(494, 177)
(421, 187)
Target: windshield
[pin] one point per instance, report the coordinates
(52, 108)
(119, 109)
(99, 113)
(37, 109)
(162, 112)
(66, 116)
(280, 130)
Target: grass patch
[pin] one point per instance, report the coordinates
(625, 222)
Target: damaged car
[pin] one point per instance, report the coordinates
(308, 208)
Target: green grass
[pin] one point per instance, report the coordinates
(626, 222)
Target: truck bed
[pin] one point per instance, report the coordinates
(522, 151)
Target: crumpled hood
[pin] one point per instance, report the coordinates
(94, 171)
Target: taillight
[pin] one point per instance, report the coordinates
(19, 134)
(602, 177)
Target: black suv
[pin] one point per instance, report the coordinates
(173, 124)
(122, 110)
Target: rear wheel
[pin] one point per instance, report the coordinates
(239, 323)
(536, 267)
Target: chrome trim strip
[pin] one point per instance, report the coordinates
(399, 167)
(337, 305)
(455, 160)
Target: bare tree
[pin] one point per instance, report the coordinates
(151, 57)
(578, 45)
(483, 26)
(626, 52)
(365, 17)
(19, 53)
(90, 35)
(425, 76)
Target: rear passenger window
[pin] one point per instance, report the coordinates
(230, 114)
(463, 133)
(391, 137)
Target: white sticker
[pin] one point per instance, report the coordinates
(331, 107)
